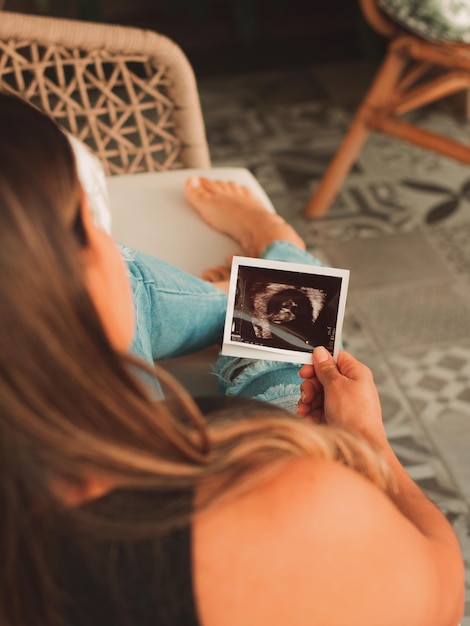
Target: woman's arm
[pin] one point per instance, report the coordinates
(344, 394)
(319, 544)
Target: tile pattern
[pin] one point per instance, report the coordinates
(401, 223)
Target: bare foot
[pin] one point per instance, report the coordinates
(216, 274)
(219, 276)
(234, 210)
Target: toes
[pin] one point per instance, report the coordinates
(205, 182)
(197, 184)
(193, 182)
(213, 186)
(193, 187)
(221, 186)
(233, 187)
(196, 192)
(240, 190)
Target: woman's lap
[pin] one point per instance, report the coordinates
(177, 313)
(272, 381)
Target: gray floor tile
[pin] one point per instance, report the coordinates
(453, 242)
(436, 380)
(451, 436)
(419, 314)
(390, 259)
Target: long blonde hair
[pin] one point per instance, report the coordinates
(71, 406)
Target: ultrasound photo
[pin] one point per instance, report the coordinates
(282, 311)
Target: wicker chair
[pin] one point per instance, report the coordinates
(414, 73)
(129, 94)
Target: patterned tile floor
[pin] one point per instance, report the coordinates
(401, 224)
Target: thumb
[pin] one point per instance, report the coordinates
(326, 369)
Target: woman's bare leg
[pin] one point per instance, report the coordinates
(234, 210)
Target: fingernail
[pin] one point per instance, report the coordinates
(302, 395)
(320, 354)
(193, 181)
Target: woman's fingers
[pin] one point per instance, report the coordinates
(311, 397)
(307, 371)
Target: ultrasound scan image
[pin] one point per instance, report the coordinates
(297, 315)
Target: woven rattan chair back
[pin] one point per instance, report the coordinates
(129, 94)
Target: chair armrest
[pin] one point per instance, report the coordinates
(150, 213)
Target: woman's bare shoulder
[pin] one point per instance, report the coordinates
(312, 544)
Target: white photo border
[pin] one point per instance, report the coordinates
(243, 349)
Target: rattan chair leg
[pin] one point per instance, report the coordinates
(380, 93)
